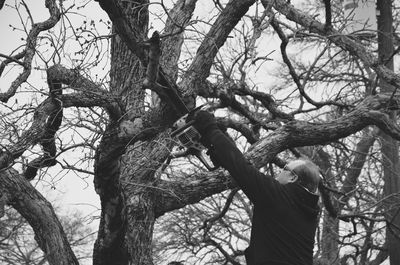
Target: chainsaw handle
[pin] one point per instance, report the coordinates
(206, 162)
(189, 137)
(182, 128)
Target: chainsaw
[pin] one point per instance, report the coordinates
(183, 129)
(189, 138)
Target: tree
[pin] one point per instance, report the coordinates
(122, 121)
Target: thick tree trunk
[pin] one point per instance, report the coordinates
(126, 70)
(109, 247)
(330, 227)
(390, 147)
(138, 173)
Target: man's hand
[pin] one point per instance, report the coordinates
(204, 121)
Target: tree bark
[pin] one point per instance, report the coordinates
(40, 215)
(126, 70)
(199, 70)
(138, 173)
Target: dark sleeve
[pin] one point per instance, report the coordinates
(254, 184)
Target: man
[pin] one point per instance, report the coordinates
(286, 209)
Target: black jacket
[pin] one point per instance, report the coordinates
(285, 216)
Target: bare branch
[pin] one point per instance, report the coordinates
(10, 59)
(154, 60)
(293, 134)
(292, 71)
(241, 127)
(91, 94)
(199, 70)
(48, 116)
(30, 48)
(328, 14)
(209, 222)
(222, 250)
(47, 120)
(177, 194)
(352, 46)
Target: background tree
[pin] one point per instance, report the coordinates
(112, 93)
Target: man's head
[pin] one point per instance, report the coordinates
(302, 171)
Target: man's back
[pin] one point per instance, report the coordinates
(283, 231)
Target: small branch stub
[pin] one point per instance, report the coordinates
(154, 59)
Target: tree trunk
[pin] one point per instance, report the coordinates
(390, 149)
(330, 227)
(138, 173)
(125, 72)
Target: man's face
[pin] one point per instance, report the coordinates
(287, 175)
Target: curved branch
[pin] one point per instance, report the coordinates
(10, 59)
(299, 133)
(212, 242)
(266, 100)
(199, 70)
(48, 116)
(347, 43)
(174, 195)
(39, 131)
(226, 93)
(292, 70)
(208, 223)
(40, 215)
(249, 134)
(30, 49)
(90, 94)
(293, 134)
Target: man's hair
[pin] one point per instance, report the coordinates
(307, 172)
